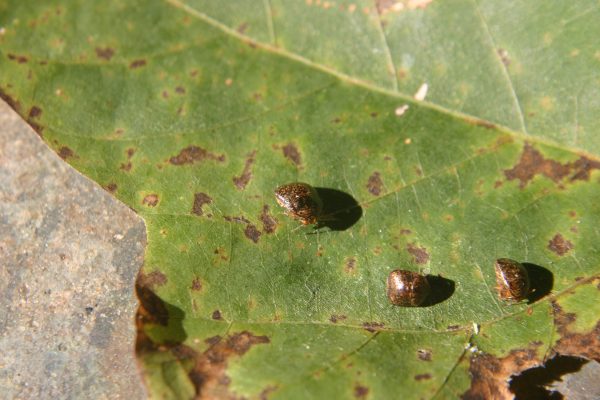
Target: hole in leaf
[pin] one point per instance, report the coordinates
(532, 383)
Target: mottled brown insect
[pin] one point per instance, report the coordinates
(407, 288)
(301, 201)
(512, 280)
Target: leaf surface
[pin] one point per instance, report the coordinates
(193, 113)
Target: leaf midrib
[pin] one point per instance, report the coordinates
(366, 85)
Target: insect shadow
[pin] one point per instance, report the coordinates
(441, 290)
(541, 281)
(340, 210)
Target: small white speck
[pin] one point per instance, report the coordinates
(2, 31)
(475, 328)
(407, 141)
(422, 92)
(118, 236)
(401, 110)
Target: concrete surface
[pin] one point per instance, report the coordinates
(69, 254)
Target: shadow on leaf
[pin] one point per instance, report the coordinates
(161, 318)
(441, 290)
(541, 282)
(340, 210)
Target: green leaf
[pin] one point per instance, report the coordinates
(193, 113)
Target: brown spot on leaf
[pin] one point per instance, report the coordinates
(583, 167)
(374, 184)
(266, 392)
(65, 153)
(532, 163)
(290, 151)
(424, 354)
(208, 374)
(350, 265)
(105, 53)
(268, 221)
(242, 28)
(193, 154)
(216, 315)
(111, 187)
(422, 377)
(252, 233)
(14, 104)
(490, 375)
(560, 245)
(420, 255)
(497, 184)
(151, 200)
(242, 180)
(19, 59)
(373, 326)
(196, 285)
(575, 343)
(361, 392)
(179, 90)
(34, 112)
(336, 318)
(405, 231)
(137, 64)
(152, 280)
(200, 199)
(126, 166)
(222, 253)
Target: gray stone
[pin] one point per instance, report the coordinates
(69, 254)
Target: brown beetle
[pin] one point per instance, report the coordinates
(407, 288)
(512, 280)
(301, 201)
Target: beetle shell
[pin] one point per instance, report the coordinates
(407, 288)
(300, 201)
(512, 280)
